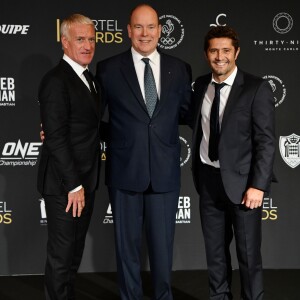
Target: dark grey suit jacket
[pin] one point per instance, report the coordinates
(247, 138)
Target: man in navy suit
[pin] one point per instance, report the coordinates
(232, 164)
(70, 157)
(143, 156)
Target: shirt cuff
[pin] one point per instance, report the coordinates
(76, 189)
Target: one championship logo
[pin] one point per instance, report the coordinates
(278, 88)
(19, 154)
(290, 149)
(282, 23)
(172, 32)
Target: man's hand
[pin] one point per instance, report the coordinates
(253, 198)
(42, 134)
(76, 199)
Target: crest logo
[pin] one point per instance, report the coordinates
(185, 151)
(172, 32)
(278, 88)
(290, 149)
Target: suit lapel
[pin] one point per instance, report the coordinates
(130, 76)
(165, 81)
(233, 97)
(199, 93)
(80, 86)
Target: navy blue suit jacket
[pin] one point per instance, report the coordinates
(143, 150)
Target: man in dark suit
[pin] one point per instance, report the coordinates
(69, 162)
(233, 156)
(143, 156)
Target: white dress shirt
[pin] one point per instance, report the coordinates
(78, 69)
(205, 112)
(139, 66)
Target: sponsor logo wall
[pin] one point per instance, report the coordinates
(270, 42)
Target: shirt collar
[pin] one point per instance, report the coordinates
(229, 80)
(154, 56)
(75, 66)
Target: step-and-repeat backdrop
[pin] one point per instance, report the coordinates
(30, 46)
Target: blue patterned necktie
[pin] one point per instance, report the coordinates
(150, 88)
(213, 147)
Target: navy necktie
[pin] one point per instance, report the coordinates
(150, 88)
(213, 147)
(89, 77)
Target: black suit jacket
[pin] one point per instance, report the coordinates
(70, 154)
(247, 138)
(143, 150)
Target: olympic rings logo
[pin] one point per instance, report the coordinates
(167, 41)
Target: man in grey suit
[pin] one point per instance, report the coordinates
(233, 154)
(143, 157)
(70, 157)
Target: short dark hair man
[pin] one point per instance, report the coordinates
(233, 154)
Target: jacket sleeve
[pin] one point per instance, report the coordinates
(263, 130)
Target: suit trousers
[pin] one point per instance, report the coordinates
(221, 220)
(156, 212)
(66, 239)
